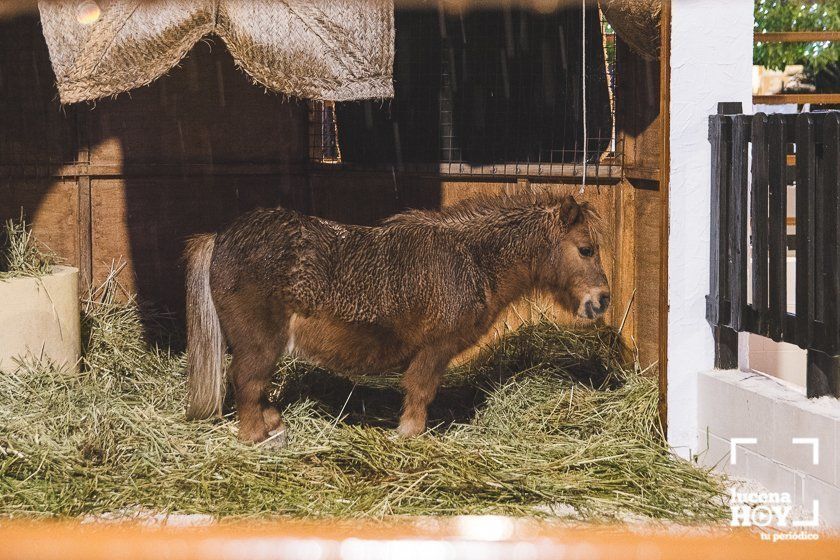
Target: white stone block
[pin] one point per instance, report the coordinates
(714, 453)
(790, 420)
(829, 500)
(837, 454)
(729, 410)
(771, 474)
(40, 317)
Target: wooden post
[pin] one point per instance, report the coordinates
(777, 244)
(805, 229)
(823, 375)
(664, 205)
(726, 347)
(726, 338)
(85, 227)
(758, 216)
(831, 242)
(737, 231)
(818, 176)
(717, 224)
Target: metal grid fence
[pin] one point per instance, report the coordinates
(489, 93)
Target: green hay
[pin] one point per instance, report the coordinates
(20, 253)
(519, 432)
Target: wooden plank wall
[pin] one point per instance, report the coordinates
(639, 125)
(35, 136)
(132, 177)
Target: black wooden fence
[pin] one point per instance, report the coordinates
(750, 242)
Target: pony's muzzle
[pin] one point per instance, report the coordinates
(595, 304)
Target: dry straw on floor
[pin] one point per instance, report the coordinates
(519, 431)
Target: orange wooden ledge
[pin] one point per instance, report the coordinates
(455, 538)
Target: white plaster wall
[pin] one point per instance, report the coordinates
(711, 61)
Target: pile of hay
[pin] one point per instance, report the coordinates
(20, 252)
(519, 431)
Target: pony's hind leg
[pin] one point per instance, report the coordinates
(256, 332)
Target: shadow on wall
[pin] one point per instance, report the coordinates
(182, 156)
(202, 145)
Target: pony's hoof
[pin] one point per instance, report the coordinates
(277, 439)
(406, 431)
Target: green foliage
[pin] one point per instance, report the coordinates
(785, 15)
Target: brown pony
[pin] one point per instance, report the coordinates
(409, 294)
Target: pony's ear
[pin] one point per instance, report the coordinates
(569, 210)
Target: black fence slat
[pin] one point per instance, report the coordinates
(738, 189)
(831, 237)
(805, 223)
(720, 139)
(822, 375)
(819, 215)
(718, 305)
(777, 242)
(758, 219)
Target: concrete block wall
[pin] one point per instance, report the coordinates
(737, 404)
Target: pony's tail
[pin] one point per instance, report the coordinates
(205, 341)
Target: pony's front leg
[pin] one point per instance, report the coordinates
(421, 381)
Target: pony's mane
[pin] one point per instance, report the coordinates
(469, 209)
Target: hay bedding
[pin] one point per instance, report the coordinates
(519, 432)
(22, 254)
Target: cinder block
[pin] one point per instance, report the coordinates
(729, 410)
(791, 420)
(829, 500)
(714, 452)
(772, 475)
(837, 453)
(799, 486)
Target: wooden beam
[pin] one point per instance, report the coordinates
(123, 170)
(664, 196)
(624, 267)
(643, 173)
(85, 206)
(796, 36)
(604, 172)
(798, 98)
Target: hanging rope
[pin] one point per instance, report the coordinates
(583, 87)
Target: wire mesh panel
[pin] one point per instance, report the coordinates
(489, 92)
(323, 133)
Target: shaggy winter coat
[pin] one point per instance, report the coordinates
(407, 295)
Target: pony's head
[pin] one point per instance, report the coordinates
(571, 271)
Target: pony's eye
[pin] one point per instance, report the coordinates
(586, 251)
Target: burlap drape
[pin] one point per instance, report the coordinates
(637, 22)
(323, 49)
